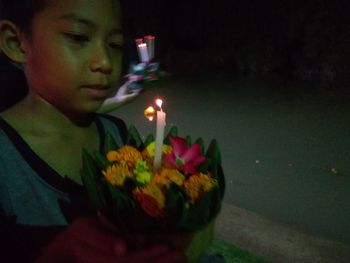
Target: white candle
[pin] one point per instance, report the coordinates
(143, 53)
(159, 139)
(150, 45)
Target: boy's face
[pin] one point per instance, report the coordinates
(73, 56)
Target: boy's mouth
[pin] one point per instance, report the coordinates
(97, 91)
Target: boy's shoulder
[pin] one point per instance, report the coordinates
(12, 121)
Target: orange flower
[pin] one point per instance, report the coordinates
(168, 175)
(151, 199)
(117, 173)
(126, 155)
(197, 185)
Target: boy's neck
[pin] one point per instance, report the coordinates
(51, 117)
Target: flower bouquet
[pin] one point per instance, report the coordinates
(183, 194)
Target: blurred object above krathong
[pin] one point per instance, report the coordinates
(147, 69)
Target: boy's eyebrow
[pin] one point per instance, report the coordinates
(79, 19)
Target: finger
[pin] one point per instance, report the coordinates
(131, 95)
(123, 89)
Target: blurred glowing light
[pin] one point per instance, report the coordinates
(149, 113)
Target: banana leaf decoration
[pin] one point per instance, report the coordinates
(121, 208)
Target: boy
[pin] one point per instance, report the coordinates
(70, 52)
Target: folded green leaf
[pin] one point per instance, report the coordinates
(213, 151)
(149, 139)
(110, 143)
(200, 141)
(102, 161)
(134, 138)
(215, 203)
(218, 174)
(172, 132)
(188, 140)
(119, 199)
(175, 204)
(89, 177)
(198, 215)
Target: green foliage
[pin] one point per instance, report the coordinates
(172, 132)
(213, 152)
(134, 138)
(110, 143)
(218, 173)
(188, 140)
(198, 216)
(149, 139)
(90, 177)
(175, 204)
(200, 141)
(101, 160)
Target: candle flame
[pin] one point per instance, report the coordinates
(159, 103)
(149, 113)
(142, 45)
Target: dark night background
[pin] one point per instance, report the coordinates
(269, 80)
(305, 40)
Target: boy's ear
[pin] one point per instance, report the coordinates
(11, 41)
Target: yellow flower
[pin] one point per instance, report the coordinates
(126, 155)
(168, 175)
(197, 185)
(151, 149)
(117, 173)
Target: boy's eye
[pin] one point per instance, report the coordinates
(77, 38)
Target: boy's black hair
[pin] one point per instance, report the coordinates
(13, 85)
(21, 12)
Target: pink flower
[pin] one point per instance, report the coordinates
(184, 158)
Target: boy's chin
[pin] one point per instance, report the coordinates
(95, 108)
(91, 107)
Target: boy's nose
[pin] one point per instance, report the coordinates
(101, 61)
